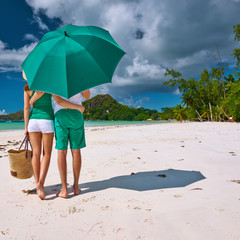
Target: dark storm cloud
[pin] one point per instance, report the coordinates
(198, 25)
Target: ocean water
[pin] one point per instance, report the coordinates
(20, 125)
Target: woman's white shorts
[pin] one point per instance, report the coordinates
(41, 125)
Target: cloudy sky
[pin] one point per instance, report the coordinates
(155, 34)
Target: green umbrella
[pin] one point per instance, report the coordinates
(72, 59)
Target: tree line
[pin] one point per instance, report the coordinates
(215, 96)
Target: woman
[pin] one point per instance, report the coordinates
(40, 127)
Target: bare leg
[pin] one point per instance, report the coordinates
(62, 167)
(47, 139)
(35, 138)
(77, 162)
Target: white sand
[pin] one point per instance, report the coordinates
(198, 199)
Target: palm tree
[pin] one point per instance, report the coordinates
(205, 112)
(180, 113)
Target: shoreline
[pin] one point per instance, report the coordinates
(138, 124)
(105, 124)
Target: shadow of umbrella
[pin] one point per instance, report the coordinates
(146, 181)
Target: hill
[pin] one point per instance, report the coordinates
(17, 116)
(104, 107)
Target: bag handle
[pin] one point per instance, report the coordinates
(23, 141)
(26, 140)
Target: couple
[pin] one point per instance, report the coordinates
(65, 116)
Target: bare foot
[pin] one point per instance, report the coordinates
(40, 191)
(76, 189)
(63, 193)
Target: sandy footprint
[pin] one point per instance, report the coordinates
(5, 232)
(233, 153)
(32, 191)
(137, 208)
(104, 208)
(91, 171)
(233, 236)
(63, 215)
(177, 195)
(96, 225)
(73, 209)
(148, 220)
(236, 181)
(89, 199)
(106, 165)
(118, 230)
(219, 209)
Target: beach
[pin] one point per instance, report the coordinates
(163, 181)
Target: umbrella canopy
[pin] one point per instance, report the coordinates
(72, 59)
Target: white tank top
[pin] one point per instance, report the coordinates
(76, 99)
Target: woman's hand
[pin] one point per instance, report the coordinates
(26, 131)
(81, 108)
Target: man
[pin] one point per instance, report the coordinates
(69, 126)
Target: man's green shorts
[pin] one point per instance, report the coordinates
(69, 126)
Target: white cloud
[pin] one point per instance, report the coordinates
(11, 59)
(40, 22)
(143, 69)
(3, 112)
(133, 101)
(176, 92)
(30, 37)
(103, 89)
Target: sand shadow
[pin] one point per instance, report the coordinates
(146, 181)
(140, 181)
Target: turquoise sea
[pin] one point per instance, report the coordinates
(20, 125)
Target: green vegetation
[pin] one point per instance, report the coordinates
(18, 116)
(214, 97)
(104, 107)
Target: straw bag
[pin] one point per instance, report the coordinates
(20, 161)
